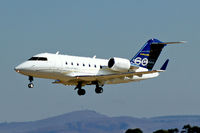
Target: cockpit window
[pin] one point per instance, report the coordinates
(42, 58)
(38, 59)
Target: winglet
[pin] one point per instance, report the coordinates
(164, 66)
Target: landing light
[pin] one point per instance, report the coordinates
(17, 70)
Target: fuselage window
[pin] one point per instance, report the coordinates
(38, 59)
(95, 66)
(66, 63)
(72, 63)
(100, 66)
(83, 64)
(77, 64)
(89, 65)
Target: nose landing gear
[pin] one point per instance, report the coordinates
(30, 85)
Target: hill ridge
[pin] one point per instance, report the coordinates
(90, 121)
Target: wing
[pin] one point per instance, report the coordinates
(113, 76)
(105, 79)
(121, 77)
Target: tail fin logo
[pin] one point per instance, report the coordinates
(139, 61)
(145, 61)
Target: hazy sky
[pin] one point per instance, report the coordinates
(106, 28)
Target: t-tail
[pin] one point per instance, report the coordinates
(149, 53)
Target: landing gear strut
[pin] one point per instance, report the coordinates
(80, 91)
(30, 85)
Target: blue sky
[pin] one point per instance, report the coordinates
(106, 28)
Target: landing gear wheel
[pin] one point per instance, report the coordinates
(99, 90)
(81, 92)
(30, 85)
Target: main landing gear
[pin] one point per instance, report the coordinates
(98, 89)
(30, 85)
(82, 92)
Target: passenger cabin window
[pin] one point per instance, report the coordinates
(38, 59)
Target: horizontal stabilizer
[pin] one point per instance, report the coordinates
(164, 66)
(169, 42)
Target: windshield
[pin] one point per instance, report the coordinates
(38, 59)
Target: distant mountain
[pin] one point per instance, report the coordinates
(93, 122)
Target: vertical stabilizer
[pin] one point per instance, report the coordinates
(148, 54)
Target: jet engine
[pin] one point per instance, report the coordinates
(119, 64)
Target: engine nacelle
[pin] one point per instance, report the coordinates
(119, 64)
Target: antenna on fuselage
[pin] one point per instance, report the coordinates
(94, 57)
(57, 52)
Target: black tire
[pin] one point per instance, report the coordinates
(99, 90)
(81, 92)
(30, 85)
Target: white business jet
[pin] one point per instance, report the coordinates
(81, 71)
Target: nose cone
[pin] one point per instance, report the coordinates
(22, 68)
(19, 68)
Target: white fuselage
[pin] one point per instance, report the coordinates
(65, 68)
